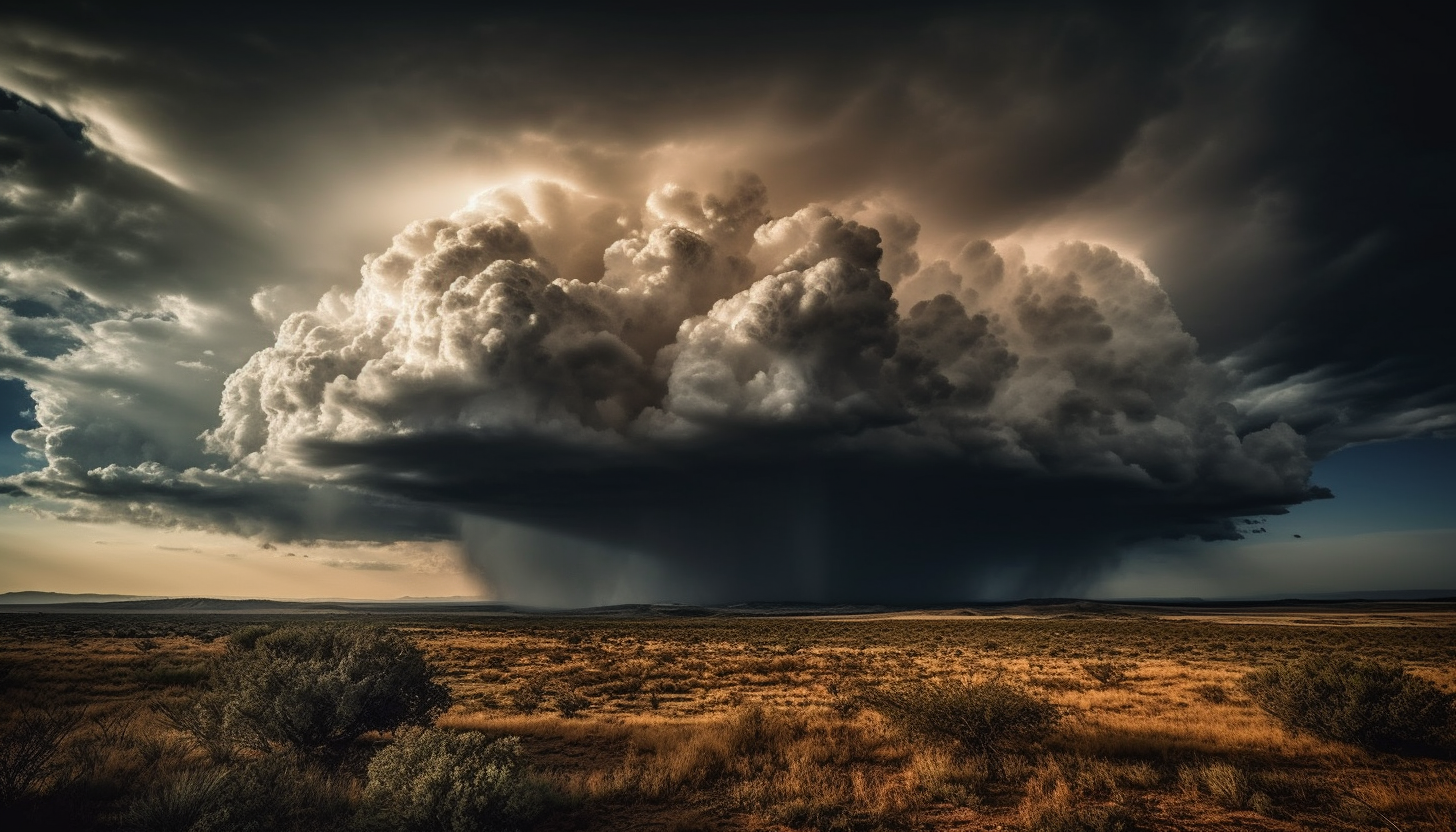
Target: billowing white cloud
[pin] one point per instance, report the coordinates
(526, 356)
(715, 352)
(707, 317)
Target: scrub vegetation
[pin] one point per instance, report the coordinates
(1375, 705)
(311, 690)
(1042, 719)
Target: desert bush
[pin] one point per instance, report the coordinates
(313, 689)
(756, 734)
(571, 703)
(244, 638)
(946, 777)
(278, 793)
(1212, 692)
(158, 749)
(29, 748)
(431, 780)
(1373, 704)
(527, 697)
(1051, 805)
(811, 771)
(990, 718)
(1233, 786)
(1109, 673)
(203, 720)
(744, 744)
(1227, 784)
(101, 756)
(178, 805)
(806, 770)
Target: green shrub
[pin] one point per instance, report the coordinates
(431, 780)
(1375, 705)
(313, 689)
(990, 718)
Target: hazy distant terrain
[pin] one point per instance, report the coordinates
(110, 604)
(32, 597)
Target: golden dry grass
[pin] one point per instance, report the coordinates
(734, 723)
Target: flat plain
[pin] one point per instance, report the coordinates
(700, 720)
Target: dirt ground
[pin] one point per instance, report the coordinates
(714, 722)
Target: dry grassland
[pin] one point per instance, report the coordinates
(755, 723)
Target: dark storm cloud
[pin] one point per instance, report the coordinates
(776, 517)
(79, 226)
(991, 117)
(795, 435)
(1305, 180)
(120, 300)
(902, 325)
(124, 305)
(153, 495)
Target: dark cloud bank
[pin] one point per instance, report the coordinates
(840, 377)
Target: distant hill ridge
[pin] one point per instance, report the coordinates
(35, 597)
(56, 602)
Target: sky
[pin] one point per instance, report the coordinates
(945, 302)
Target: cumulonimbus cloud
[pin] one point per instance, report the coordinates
(1279, 169)
(758, 405)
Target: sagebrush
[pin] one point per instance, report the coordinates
(990, 718)
(312, 689)
(1376, 705)
(431, 780)
(29, 745)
